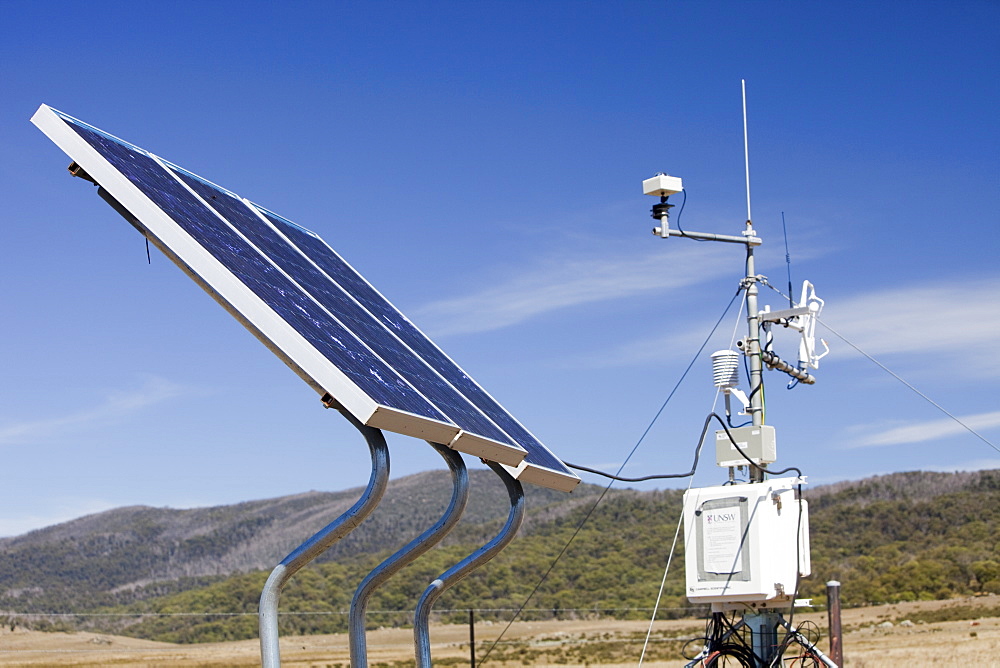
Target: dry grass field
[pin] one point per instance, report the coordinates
(869, 642)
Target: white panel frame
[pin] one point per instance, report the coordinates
(543, 476)
(463, 441)
(524, 471)
(269, 327)
(239, 300)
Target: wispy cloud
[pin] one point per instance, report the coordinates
(972, 465)
(927, 431)
(950, 325)
(956, 322)
(662, 349)
(563, 282)
(115, 406)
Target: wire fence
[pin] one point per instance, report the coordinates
(597, 610)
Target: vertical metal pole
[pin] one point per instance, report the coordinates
(472, 638)
(833, 613)
(764, 634)
(763, 625)
(753, 351)
(421, 617)
(407, 554)
(270, 654)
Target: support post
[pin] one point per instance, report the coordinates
(764, 633)
(472, 638)
(833, 613)
(270, 653)
(407, 554)
(421, 617)
(753, 352)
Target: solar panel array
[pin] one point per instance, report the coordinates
(309, 306)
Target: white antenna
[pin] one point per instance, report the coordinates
(746, 148)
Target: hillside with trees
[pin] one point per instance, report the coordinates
(900, 537)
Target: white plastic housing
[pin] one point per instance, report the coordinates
(745, 543)
(662, 185)
(726, 368)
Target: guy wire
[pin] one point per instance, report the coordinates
(914, 389)
(900, 379)
(680, 518)
(600, 498)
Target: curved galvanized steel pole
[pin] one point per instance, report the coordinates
(270, 653)
(421, 617)
(407, 554)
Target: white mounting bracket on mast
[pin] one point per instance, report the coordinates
(801, 318)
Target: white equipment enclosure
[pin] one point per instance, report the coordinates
(746, 543)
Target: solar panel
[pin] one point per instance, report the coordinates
(309, 306)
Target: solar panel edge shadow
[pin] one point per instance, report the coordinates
(479, 436)
(544, 458)
(63, 131)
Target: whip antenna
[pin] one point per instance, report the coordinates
(788, 262)
(746, 148)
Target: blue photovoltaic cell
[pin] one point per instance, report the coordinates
(319, 295)
(348, 311)
(337, 344)
(334, 266)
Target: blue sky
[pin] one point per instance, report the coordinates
(481, 164)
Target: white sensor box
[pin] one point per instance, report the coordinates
(662, 185)
(746, 543)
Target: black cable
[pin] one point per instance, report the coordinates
(790, 635)
(738, 651)
(723, 639)
(790, 631)
(621, 479)
(798, 530)
(677, 221)
(746, 456)
(608, 488)
(662, 476)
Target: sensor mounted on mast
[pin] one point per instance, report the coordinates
(662, 186)
(747, 543)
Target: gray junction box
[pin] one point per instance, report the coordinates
(746, 543)
(758, 443)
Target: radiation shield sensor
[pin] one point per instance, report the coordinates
(662, 186)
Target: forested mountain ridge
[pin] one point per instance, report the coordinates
(118, 555)
(896, 537)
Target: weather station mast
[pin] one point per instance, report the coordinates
(747, 543)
